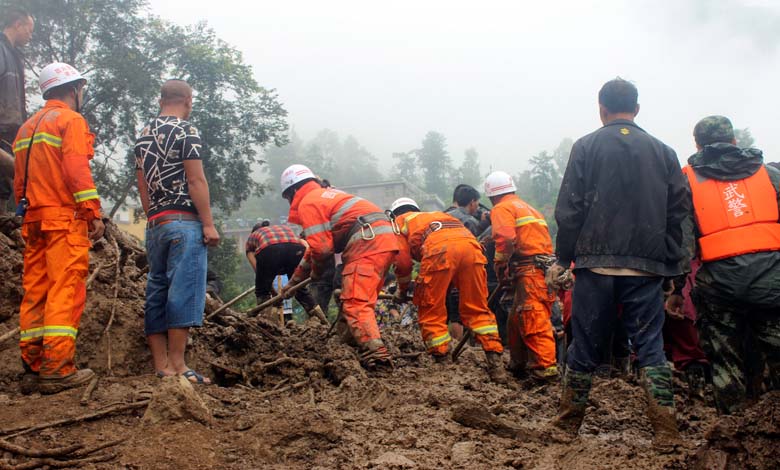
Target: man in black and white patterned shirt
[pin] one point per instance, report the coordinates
(175, 197)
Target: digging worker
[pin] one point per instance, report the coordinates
(522, 240)
(17, 26)
(620, 209)
(175, 196)
(448, 254)
(735, 200)
(57, 196)
(277, 251)
(336, 222)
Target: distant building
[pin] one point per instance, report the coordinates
(126, 220)
(383, 194)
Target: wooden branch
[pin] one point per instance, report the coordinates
(19, 430)
(9, 334)
(117, 274)
(91, 450)
(53, 463)
(94, 274)
(280, 297)
(55, 452)
(225, 306)
(263, 366)
(282, 390)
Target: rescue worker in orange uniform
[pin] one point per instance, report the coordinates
(58, 199)
(523, 245)
(448, 254)
(336, 222)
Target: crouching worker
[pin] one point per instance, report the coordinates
(336, 222)
(53, 183)
(276, 250)
(448, 254)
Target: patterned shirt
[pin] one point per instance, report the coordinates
(273, 235)
(160, 152)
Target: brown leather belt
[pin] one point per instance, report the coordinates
(164, 219)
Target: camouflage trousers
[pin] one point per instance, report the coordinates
(731, 336)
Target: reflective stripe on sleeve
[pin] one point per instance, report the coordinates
(86, 195)
(315, 229)
(486, 330)
(438, 340)
(529, 220)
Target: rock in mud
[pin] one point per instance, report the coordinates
(175, 400)
(463, 451)
(392, 460)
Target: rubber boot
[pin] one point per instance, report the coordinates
(29, 381)
(319, 314)
(574, 399)
(374, 355)
(696, 378)
(657, 382)
(548, 374)
(495, 367)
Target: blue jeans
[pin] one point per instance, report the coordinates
(176, 286)
(594, 315)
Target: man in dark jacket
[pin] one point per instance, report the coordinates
(619, 211)
(17, 27)
(735, 199)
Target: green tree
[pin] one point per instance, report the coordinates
(469, 172)
(405, 167)
(434, 159)
(126, 53)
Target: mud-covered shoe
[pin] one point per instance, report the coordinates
(574, 399)
(49, 385)
(657, 382)
(548, 374)
(28, 383)
(495, 367)
(317, 313)
(442, 359)
(374, 355)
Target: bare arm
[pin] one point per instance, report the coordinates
(143, 190)
(250, 255)
(199, 192)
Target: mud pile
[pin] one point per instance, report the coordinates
(293, 397)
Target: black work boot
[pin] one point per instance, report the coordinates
(495, 367)
(657, 382)
(574, 399)
(28, 384)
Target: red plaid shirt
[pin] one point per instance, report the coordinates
(272, 235)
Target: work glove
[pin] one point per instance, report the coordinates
(553, 276)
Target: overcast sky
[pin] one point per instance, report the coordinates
(509, 78)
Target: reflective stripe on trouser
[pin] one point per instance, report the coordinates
(55, 270)
(461, 263)
(529, 329)
(361, 281)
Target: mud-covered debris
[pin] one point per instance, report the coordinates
(392, 460)
(175, 400)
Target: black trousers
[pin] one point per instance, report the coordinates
(275, 260)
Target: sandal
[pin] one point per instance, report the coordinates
(161, 375)
(199, 379)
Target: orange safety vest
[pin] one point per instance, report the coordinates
(735, 217)
(327, 216)
(59, 181)
(519, 229)
(419, 228)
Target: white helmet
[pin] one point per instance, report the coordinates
(498, 183)
(294, 174)
(403, 201)
(56, 74)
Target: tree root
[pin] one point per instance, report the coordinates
(19, 430)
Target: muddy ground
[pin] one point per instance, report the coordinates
(288, 398)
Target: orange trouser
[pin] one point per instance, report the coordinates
(461, 263)
(56, 262)
(529, 330)
(362, 280)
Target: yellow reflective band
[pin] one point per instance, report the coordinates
(405, 228)
(500, 256)
(486, 330)
(529, 220)
(60, 330)
(344, 208)
(86, 195)
(31, 333)
(315, 229)
(439, 340)
(40, 137)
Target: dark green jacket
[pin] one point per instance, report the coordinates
(753, 278)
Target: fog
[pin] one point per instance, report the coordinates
(509, 78)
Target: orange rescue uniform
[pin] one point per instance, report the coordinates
(448, 254)
(329, 218)
(735, 217)
(63, 201)
(520, 233)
